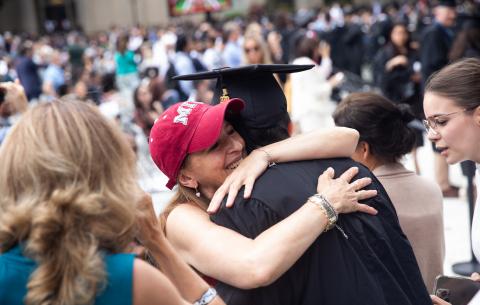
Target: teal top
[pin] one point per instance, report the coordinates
(15, 269)
(125, 63)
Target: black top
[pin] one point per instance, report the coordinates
(436, 43)
(396, 84)
(375, 265)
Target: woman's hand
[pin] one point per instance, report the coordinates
(324, 49)
(342, 194)
(148, 228)
(244, 175)
(437, 301)
(399, 60)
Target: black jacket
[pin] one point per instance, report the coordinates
(435, 46)
(374, 266)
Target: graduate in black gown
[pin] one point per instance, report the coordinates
(363, 260)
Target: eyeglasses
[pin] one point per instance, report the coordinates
(252, 49)
(432, 123)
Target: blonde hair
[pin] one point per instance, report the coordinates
(183, 195)
(68, 188)
(261, 44)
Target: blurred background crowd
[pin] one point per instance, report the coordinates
(390, 48)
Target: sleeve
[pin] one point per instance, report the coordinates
(379, 62)
(249, 217)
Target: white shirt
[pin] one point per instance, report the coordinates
(476, 220)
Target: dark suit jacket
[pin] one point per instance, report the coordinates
(374, 266)
(435, 45)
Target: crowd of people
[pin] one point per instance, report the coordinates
(288, 180)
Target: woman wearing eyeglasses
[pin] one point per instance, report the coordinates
(452, 109)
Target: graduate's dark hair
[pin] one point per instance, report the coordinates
(380, 122)
(258, 137)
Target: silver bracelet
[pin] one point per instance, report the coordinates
(269, 157)
(207, 297)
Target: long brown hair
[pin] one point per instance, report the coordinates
(68, 185)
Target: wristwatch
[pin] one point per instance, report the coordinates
(327, 208)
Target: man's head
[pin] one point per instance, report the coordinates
(445, 13)
(192, 144)
(265, 118)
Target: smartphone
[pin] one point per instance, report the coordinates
(456, 290)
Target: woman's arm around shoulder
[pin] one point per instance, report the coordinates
(247, 263)
(326, 143)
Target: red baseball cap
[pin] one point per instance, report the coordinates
(185, 128)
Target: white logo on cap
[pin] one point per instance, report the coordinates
(183, 111)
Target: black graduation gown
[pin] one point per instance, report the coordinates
(374, 266)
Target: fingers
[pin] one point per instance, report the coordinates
(324, 178)
(349, 174)
(329, 173)
(232, 194)
(475, 277)
(361, 183)
(437, 301)
(365, 194)
(216, 200)
(248, 188)
(366, 209)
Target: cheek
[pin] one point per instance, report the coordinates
(451, 135)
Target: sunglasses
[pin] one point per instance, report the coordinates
(253, 49)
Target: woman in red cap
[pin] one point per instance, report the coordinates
(192, 142)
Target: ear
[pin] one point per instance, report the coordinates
(186, 180)
(362, 152)
(476, 115)
(366, 150)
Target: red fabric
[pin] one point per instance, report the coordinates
(210, 280)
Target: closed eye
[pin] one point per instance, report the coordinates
(214, 146)
(441, 122)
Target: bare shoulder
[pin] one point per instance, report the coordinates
(184, 213)
(150, 286)
(184, 223)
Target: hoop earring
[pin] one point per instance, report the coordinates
(197, 193)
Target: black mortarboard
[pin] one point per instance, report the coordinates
(265, 102)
